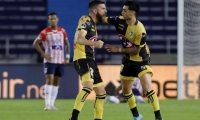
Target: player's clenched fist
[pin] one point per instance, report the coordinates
(98, 44)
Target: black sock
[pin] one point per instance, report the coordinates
(75, 114)
(158, 115)
(135, 112)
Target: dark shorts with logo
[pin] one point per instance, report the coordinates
(53, 68)
(83, 66)
(134, 69)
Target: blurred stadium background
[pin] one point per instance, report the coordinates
(22, 20)
(21, 68)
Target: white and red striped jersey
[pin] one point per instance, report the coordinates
(137, 85)
(53, 43)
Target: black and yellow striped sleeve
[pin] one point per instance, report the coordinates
(84, 24)
(113, 20)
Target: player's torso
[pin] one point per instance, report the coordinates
(85, 51)
(128, 36)
(54, 45)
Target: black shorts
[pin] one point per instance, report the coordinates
(131, 69)
(88, 71)
(55, 69)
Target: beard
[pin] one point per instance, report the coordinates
(99, 17)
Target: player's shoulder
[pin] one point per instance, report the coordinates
(140, 26)
(44, 31)
(61, 29)
(139, 23)
(85, 18)
(85, 21)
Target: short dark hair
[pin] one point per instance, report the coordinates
(52, 13)
(132, 5)
(95, 3)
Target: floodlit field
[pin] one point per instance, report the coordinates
(33, 110)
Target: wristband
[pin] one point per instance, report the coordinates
(120, 50)
(67, 56)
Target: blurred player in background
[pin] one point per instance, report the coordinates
(136, 60)
(54, 40)
(86, 39)
(119, 98)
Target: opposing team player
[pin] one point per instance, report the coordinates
(56, 54)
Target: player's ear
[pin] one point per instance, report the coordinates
(95, 11)
(132, 12)
(58, 19)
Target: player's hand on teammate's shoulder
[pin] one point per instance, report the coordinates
(112, 48)
(48, 58)
(66, 61)
(98, 44)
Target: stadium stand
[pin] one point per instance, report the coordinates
(20, 22)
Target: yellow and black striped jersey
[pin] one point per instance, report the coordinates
(84, 51)
(131, 36)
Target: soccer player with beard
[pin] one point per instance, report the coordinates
(86, 39)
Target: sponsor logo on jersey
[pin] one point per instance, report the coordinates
(57, 47)
(83, 25)
(143, 67)
(94, 38)
(126, 43)
(131, 34)
(88, 23)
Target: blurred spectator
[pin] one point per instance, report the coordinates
(137, 91)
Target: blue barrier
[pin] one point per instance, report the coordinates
(27, 81)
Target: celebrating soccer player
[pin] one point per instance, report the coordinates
(136, 60)
(84, 61)
(54, 40)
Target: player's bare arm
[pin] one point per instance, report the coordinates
(82, 40)
(135, 50)
(67, 57)
(36, 44)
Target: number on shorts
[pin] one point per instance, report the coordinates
(91, 72)
(45, 70)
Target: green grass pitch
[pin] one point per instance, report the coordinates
(33, 110)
